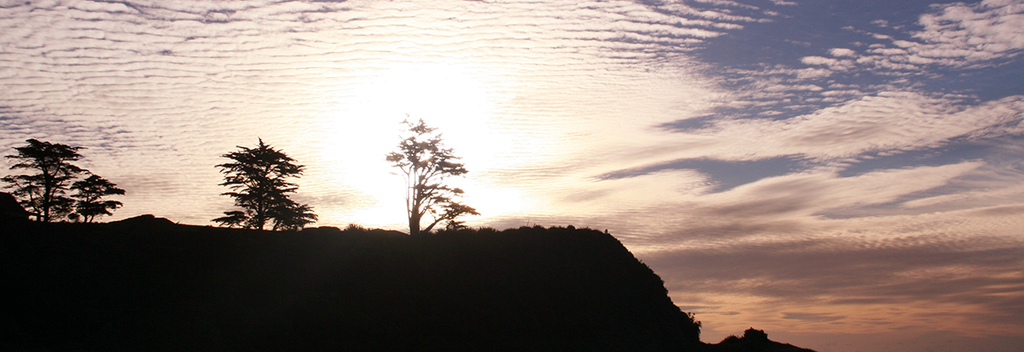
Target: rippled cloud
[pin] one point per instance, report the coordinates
(176, 84)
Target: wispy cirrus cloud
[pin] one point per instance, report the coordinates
(887, 123)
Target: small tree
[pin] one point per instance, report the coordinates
(89, 198)
(43, 193)
(426, 163)
(293, 216)
(258, 179)
(452, 211)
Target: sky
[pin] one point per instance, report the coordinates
(847, 175)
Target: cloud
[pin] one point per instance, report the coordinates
(814, 317)
(833, 64)
(842, 52)
(890, 122)
(168, 87)
(976, 35)
(948, 37)
(810, 193)
(951, 278)
(787, 207)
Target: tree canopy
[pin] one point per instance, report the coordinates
(44, 193)
(426, 163)
(258, 178)
(89, 198)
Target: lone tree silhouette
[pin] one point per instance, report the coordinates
(89, 198)
(257, 177)
(43, 193)
(426, 163)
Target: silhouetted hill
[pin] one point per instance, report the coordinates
(148, 284)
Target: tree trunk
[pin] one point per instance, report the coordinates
(414, 223)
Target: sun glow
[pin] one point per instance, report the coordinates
(458, 99)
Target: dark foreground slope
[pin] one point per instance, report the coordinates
(148, 284)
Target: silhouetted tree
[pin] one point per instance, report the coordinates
(293, 216)
(452, 211)
(89, 201)
(43, 193)
(426, 163)
(258, 179)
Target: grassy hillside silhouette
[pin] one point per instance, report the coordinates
(148, 284)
